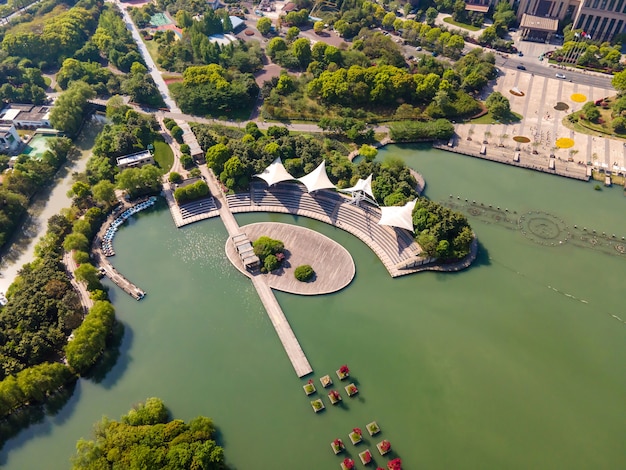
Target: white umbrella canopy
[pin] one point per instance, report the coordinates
(401, 217)
(317, 179)
(275, 173)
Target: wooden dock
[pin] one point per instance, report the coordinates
(287, 337)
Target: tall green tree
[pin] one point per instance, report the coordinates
(69, 109)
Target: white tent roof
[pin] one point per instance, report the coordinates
(362, 185)
(317, 179)
(398, 216)
(275, 173)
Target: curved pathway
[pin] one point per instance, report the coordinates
(396, 248)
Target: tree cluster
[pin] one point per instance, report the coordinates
(32, 385)
(21, 83)
(26, 178)
(269, 251)
(90, 337)
(42, 311)
(70, 108)
(211, 89)
(411, 131)
(191, 192)
(442, 233)
(62, 35)
(585, 53)
(115, 41)
(146, 438)
(128, 132)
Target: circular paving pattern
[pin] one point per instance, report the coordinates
(621, 249)
(543, 228)
(521, 139)
(578, 98)
(560, 106)
(564, 142)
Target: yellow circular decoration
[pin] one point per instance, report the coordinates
(564, 143)
(578, 98)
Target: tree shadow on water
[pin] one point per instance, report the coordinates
(22, 426)
(108, 370)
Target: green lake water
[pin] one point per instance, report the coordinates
(516, 363)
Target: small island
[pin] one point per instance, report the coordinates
(148, 430)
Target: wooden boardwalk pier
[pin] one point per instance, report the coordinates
(286, 335)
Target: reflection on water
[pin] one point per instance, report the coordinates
(514, 363)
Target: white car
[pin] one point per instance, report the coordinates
(560, 75)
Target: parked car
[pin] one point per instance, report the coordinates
(560, 75)
(521, 67)
(418, 48)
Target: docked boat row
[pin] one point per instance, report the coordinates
(107, 239)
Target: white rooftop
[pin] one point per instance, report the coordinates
(275, 173)
(401, 217)
(317, 179)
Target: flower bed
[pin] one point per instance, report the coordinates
(318, 405)
(343, 372)
(334, 397)
(366, 457)
(383, 447)
(309, 388)
(373, 428)
(338, 446)
(395, 464)
(347, 464)
(326, 381)
(351, 390)
(356, 436)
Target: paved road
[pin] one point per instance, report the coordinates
(152, 68)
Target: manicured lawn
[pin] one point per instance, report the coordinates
(469, 27)
(489, 119)
(163, 155)
(586, 127)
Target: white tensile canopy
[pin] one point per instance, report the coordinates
(275, 173)
(401, 217)
(363, 187)
(317, 179)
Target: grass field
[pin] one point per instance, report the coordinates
(489, 119)
(163, 155)
(469, 27)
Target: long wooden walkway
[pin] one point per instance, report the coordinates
(286, 335)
